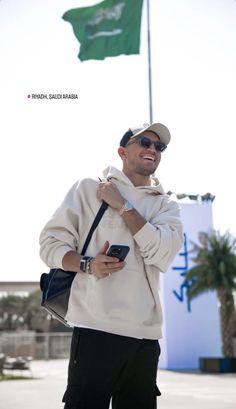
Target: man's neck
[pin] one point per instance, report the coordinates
(138, 180)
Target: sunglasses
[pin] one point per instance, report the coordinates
(145, 142)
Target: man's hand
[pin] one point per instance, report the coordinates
(108, 192)
(102, 265)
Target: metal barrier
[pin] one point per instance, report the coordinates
(50, 345)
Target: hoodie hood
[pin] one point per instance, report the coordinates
(113, 173)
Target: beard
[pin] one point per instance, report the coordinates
(145, 171)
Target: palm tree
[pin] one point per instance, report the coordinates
(215, 270)
(17, 312)
(9, 312)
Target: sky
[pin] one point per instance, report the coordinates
(46, 145)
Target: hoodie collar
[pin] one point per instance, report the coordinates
(113, 173)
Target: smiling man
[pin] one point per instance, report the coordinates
(142, 163)
(114, 305)
(147, 137)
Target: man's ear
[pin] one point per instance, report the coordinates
(122, 152)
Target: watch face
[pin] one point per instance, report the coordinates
(128, 206)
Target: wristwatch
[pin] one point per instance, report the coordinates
(127, 206)
(85, 264)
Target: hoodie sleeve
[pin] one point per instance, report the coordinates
(161, 238)
(60, 234)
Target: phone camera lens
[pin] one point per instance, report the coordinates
(116, 252)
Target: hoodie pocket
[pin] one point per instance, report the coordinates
(125, 295)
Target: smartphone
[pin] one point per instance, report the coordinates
(118, 250)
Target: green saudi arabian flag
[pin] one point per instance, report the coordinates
(107, 29)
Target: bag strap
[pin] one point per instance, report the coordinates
(97, 219)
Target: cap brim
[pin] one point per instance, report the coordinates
(159, 129)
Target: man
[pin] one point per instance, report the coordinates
(114, 305)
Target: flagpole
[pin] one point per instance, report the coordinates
(149, 64)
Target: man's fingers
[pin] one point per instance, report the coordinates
(104, 248)
(115, 266)
(109, 261)
(103, 265)
(110, 271)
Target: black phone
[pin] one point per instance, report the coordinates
(118, 250)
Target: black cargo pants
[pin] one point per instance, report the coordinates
(105, 367)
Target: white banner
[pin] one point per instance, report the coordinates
(191, 329)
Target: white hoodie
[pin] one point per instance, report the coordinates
(127, 302)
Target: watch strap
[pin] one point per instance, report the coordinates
(127, 206)
(85, 264)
